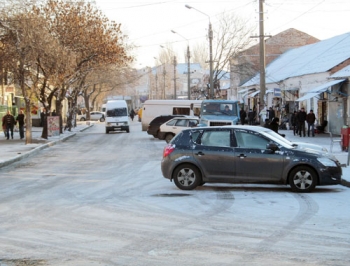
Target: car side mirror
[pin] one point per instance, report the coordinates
(272, 146)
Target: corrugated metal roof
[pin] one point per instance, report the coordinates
(343, 73)
(309, 59)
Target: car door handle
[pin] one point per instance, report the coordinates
(199, 153)
(242, 155)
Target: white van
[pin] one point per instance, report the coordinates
(117, 116)
(154, 108)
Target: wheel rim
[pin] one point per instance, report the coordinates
(303, 180)
(186, 177)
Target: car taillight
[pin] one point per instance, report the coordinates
(168, 149)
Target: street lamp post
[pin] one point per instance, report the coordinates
(210, 33)
(188, 66)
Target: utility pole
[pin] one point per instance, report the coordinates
(174, 77)
(156, 87)
(164, 73)
(262, 57)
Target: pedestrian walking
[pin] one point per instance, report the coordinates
(310, 119)
(132, 114)
(242, 115)
(274, 125)
(251, 117)
(293, 121)
(263, 115)
(9, 122)
(301, 117)
(271, 114)
(20, 120)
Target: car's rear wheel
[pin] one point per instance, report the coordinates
(169, 137)
(82, 119)
(303, 179)
(102, 119)
(187, 177)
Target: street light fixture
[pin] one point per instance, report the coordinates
(210, 33)
(174, 73)
(188, 65)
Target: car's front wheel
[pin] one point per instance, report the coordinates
(303, 179)
(102, 119)
(187, 177)
(82, 119)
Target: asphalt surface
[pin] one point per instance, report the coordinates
(15, 149)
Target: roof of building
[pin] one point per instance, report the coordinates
(343, 73)
(309, 59)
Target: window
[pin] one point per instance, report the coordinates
(181, 123)
(250, 140)
(216, 138)
(172, 122)
(181, 111)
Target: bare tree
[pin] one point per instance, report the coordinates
(231, 36)
(199, 54)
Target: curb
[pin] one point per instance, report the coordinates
(39, 148)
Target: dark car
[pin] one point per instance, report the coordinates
(246, 154)
(153, 127)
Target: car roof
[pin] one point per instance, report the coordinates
(186, 117)
(254, 128)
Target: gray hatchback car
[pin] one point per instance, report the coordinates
(246, 154)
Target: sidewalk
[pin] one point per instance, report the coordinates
(13, 150)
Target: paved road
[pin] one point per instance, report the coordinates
(100, 199)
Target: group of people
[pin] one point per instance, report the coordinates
(298, 120)
(251, 116)
(9, 122)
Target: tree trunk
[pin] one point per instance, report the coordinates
(28, 123)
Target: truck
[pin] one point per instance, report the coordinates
(219, 113)
(153, 108)
(117, 116)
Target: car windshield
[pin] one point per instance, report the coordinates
(219, 109)
(117, 112)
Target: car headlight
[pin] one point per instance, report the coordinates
(327, 162)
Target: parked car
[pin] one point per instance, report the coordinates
(245, 154)
(174, 126)
(153, 127)
(94, 116)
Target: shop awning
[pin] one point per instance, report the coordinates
(254, 93)
(308, 95)
(325, 86)
(319, 89)
(258, 92)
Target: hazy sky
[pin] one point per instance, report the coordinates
(148, 23)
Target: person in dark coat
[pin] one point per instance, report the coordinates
(271, 113)
(293, 121)
(310, 119)
(275, 124)
(251, 117)
(9, 122)
(242, 115)
(301, 118)
(20, 120)
(132, 114)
